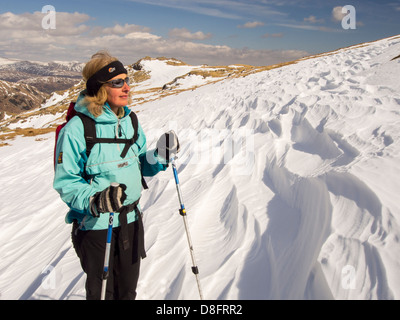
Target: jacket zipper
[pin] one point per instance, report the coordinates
(117, 132)
(117, 129)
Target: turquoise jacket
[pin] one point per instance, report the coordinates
(104, 165)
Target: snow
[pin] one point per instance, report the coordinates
(5, 61)
(161, 72)
(38, 121)
(290, 178)
(164, 71)
(54, 99)
(6, 116)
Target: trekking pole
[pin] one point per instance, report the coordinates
(182, 212)
(108, 250)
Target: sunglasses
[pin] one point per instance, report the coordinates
(118, 83)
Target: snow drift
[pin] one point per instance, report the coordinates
(290, 178)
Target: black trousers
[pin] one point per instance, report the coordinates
(124, 265)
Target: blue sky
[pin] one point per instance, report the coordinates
(257, 32)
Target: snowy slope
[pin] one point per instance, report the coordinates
(290, 178)
(161, 72)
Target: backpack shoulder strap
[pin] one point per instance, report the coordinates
(135, 125)
(131, 142)
(89, 126)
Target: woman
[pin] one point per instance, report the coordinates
(83, 181)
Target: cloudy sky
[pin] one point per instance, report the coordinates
(215, 32)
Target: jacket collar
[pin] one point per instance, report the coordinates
(108, 116)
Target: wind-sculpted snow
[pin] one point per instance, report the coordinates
(290, 178)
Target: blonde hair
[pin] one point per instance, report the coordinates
(98, 61)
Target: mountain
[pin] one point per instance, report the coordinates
(26, 84)
(46, 77)
(290, 178)
(19, 97)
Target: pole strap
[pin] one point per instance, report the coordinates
(124, 235)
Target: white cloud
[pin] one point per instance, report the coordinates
(22, 37)
(337, 14)
(141, 36)
(127, 28)
(251, 25)
(183, 33)
(27, 28)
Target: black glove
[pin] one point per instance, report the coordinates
(108, 200)
(168, 145)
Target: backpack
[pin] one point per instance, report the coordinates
(91, 139)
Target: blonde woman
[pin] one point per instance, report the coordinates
(84, 180)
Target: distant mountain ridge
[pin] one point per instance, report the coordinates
(25, 85)
(46, 77)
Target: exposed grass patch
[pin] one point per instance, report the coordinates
(140, 76)
(26, 132)
(172, 61)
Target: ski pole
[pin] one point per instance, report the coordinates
(182, 212)
(107, 252)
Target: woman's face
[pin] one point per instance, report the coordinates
(117, 97)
